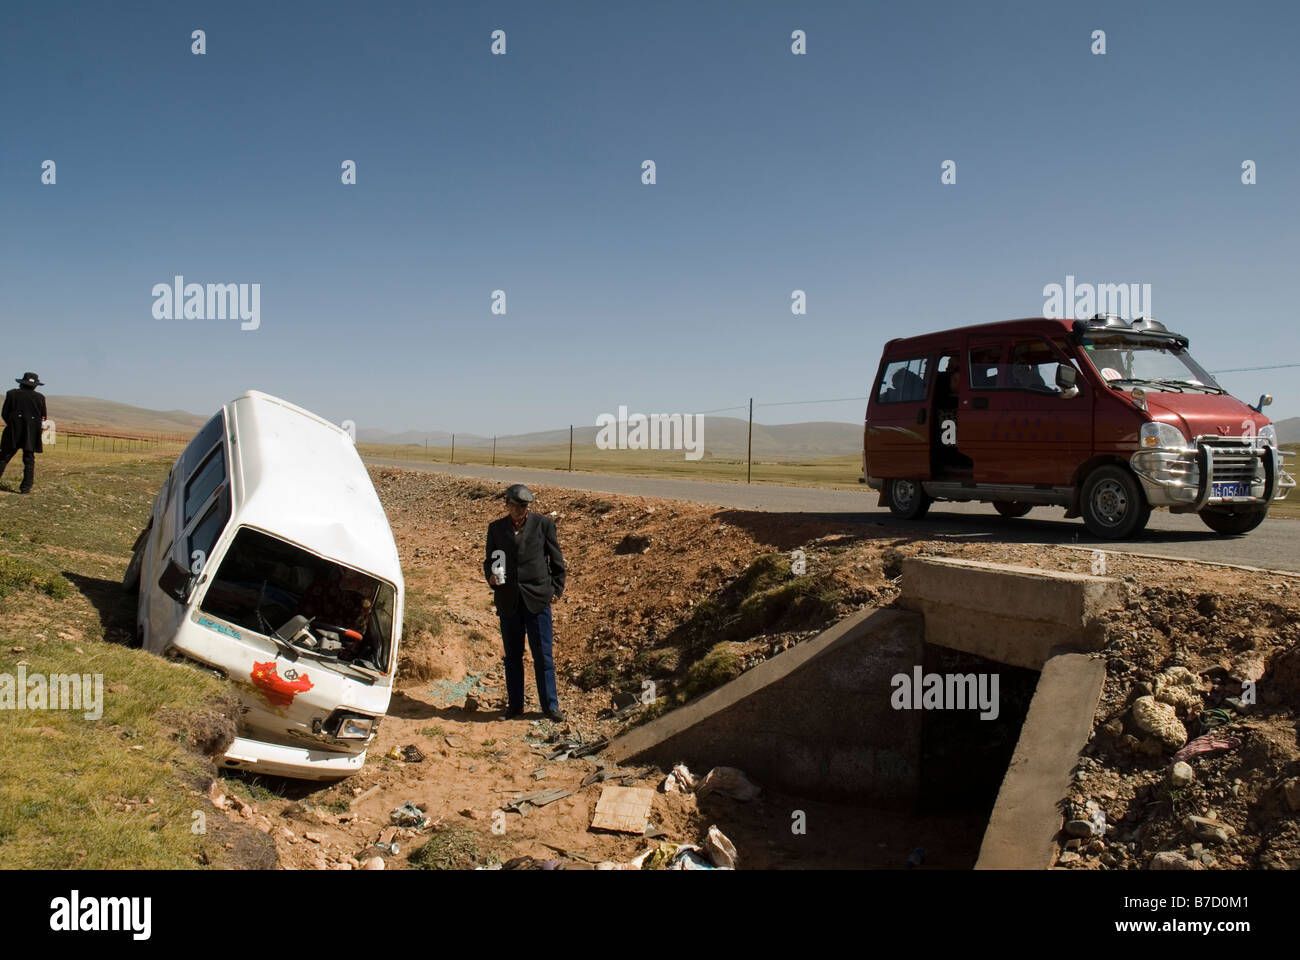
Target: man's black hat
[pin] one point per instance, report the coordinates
(519, 494)
(30, 379)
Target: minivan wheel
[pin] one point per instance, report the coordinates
(1228, 523)
(1114, 507)
(1009, 508)
(906, 499)
(131, 579)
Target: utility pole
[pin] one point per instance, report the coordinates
(453, 448)
(749, 456)
(494, 451)
(571, 448)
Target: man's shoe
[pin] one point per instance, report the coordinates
(556, 715)
(511, 714)
(21, 490)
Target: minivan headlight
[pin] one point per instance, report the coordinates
(1164, 435)
(350, 726)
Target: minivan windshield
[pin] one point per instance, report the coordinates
(264, 582)
(1152, 364)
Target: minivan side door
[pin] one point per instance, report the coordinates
(1021, 427)
(898, 419)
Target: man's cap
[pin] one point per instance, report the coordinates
(519, 493)
(30, 379)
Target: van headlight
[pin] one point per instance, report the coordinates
(1161, 435)
(350, 726)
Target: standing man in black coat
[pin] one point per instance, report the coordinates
(23, 414)
(525, 569)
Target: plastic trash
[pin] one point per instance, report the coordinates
(408, 815)
(720, 850)
(730, 782)
(680, 780)
(916, 857)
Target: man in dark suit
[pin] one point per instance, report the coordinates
(23, 415)
(525, 569)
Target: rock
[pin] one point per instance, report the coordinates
(1160, 720)
(471, 704)
(1096, 847)
(1181, 774)
(1291, 790)
(374, 863)
(1173, 860)
(313, 837)
(1068, 857)
(1079, 828)
(1206, 829)
(1073, 843)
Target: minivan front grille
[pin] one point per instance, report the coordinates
(1236, 459)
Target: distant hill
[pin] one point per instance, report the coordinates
(110, 415)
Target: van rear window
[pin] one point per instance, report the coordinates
(904, 381)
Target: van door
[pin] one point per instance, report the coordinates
(898, 423)
(1021, 427)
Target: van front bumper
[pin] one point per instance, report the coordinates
(1192, 478)
(281, 760)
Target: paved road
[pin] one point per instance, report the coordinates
(1274, 545)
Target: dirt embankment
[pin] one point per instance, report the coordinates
(667, 599)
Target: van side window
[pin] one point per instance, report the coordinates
(1033, 367)
(985, 366)
(203, 441)
(206, 479)
(204, 535)
(904, 381)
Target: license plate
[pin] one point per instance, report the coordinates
(1229, 490)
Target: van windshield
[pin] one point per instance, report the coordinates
(1157, 365)
(264, 582)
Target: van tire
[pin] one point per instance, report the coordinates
(1229, 523)
(906, 499)
(1113, 504)
(131, 579)
(1010, 508)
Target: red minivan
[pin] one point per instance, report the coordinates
(1105, 417)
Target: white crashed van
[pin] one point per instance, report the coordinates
(269, 559)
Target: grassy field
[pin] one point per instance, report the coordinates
(120, 791)
(827, 472)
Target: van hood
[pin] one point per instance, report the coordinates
(1204, 414)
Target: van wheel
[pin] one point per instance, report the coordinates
(1228, 522)
(131, 579)
(906, 499)
(1009, 508)
(1114, 507)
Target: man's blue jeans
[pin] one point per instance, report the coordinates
(537, 626)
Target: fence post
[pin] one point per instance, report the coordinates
(749, 453)
(571, 448)
(453, 448)
(494, 451)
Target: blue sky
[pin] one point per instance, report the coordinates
(522, 172)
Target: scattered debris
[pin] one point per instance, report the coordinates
(720, 850)
(1160, 720)
(730, 782)
(1207, 744)
(409, 815)
(679, 780)
(624, 809)
(411, 754)
(1181, 774)
(916, 857)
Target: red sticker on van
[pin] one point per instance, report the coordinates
(279, 690)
